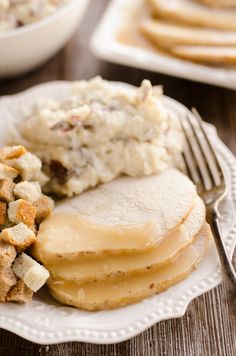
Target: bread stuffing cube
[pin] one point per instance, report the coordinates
(31, 272)
(8, 172)
(20, 293)
(3, 213)
(6, 190)
(28, 164)
(7, 255)
(22, 211)
(19, 236)
(30, 191)
(11, 152)
(7, 281)
(44, 207)
(7, 277)
(42, 178)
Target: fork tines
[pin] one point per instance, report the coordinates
(199, 156)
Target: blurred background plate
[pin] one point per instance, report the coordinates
(23, 49)
(106, 45)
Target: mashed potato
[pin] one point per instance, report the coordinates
(101, 132)
(17, 13)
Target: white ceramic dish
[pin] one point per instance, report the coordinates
(47, 322)
(27, 47)
(105, 45)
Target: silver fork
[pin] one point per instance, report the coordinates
(204, 170)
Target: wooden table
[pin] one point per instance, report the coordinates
(206, 327)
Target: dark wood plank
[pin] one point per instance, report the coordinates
(206, 329)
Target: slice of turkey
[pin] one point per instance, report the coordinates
(84, 270)
(215, 55)
(190, 12)
(167, 34)
(219, 3)
(111, 293)
(126, 215)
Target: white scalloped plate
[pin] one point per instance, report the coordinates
(46, 322)
(104, 45)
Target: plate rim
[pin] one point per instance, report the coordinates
(146, 321)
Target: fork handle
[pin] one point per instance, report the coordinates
(226, 264)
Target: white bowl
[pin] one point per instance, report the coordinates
(25, 48)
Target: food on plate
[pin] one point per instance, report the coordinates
(138, 233)
(6, 190)
(191, 13)
(21, 211)
(20, 194)
(18, 13)
(102, 131)
(29, 191)
(169, 35)
(7, 171)
(7, 277)
(19, 236)
(20, 293)
(184, 29)
(128, 214)
(118, 292)
(92, 242)
(219, 3)
(31, 272)
(44, 206)
(89, 269)
(193, 43)
(222, 55)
